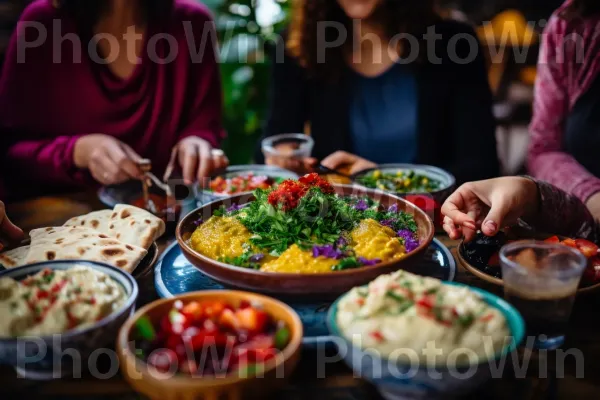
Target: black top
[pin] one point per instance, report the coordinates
(455, 125)
(582, 129)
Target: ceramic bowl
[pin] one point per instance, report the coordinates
(275, 374)
(430, 202)
(35, 358)
(308, 285)
(397, 380)
(207, 196)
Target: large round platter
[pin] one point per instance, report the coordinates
(293, 284)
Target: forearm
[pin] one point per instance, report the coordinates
(560, 213)
(49, 162)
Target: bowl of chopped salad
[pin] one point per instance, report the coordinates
(304, 237)
(239, 179)
(424, 185)
(210, 344)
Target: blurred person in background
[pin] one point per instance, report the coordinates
(565, 130)
(378, 100)
(70, 123)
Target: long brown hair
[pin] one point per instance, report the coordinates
(87, 12)
(396, 16)
(579, 9)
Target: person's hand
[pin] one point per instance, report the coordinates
(9, 232)
(593, 205)
(109, 160)
(488, 205)
(197, 159)
(353, 163)
(300, 166)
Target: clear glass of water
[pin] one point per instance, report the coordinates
(541, 280)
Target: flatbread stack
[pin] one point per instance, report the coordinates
(119, 237)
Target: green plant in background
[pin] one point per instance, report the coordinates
(243, 28)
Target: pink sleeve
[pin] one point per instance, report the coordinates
(547, 159)
(47, 161)
(206, 112)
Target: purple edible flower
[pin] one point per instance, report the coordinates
(387, 222)
(411, 244)
(367, 263)
(326, 251)
(409, 239)
(361, 205)
(341, 242)
(198, 222)
(234, 208)
(257, 257)
(393, 208)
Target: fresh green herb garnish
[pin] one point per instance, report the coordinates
(395, 296)
(347, 263)
(465, 320)
(245, 260)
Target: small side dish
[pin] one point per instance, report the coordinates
(57, 301)
(406, 311)
(303, 226)
(242, 183)
(401, 181)
(211, 338)
(482, 253)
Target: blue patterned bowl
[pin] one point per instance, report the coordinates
(397, 380)
(70, 353)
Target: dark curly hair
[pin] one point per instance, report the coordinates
(396, 16)
(87, 12)
(579, 9)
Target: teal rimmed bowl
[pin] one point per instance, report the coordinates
(399, 380)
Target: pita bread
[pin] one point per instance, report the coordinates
(76, 243)
(14, 258)
(97, 220)
(135, 226)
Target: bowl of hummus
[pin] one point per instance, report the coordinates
(419, 337)
(48, 307)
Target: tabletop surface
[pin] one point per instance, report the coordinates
(536, 376)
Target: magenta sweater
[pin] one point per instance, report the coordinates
(46, 106)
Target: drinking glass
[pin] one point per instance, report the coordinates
(287, 150)
(541, 280)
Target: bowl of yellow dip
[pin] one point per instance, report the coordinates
(418, 337)
(50, 307)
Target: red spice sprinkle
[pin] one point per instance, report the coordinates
(360, 301)
(487, 318)
(377, 336)
(58, 286)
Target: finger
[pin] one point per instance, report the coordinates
(171, 164)
(7, 228)
(469, 232)
(220, 163)
(361, 166)
(452, 208)
(339, 158)
(495, 217)
(188, 159)
(121, 157)
(205, 164)
(103, 168)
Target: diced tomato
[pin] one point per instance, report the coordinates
(245, 304)
(228, 319)
(588, 248)
(592, 272)
(552, 239)
(42, 294)
(252, 319)
(494, 259)
(426, 302)
(192, 311)
(377, 336)
(570, 243)
(174, 322)
(213, 309)
(162, 359)
(198, 338)
(259, 349)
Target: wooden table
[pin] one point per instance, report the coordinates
(573, 381)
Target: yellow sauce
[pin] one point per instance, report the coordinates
(372, 240)
(220, 237)
(294, 260)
